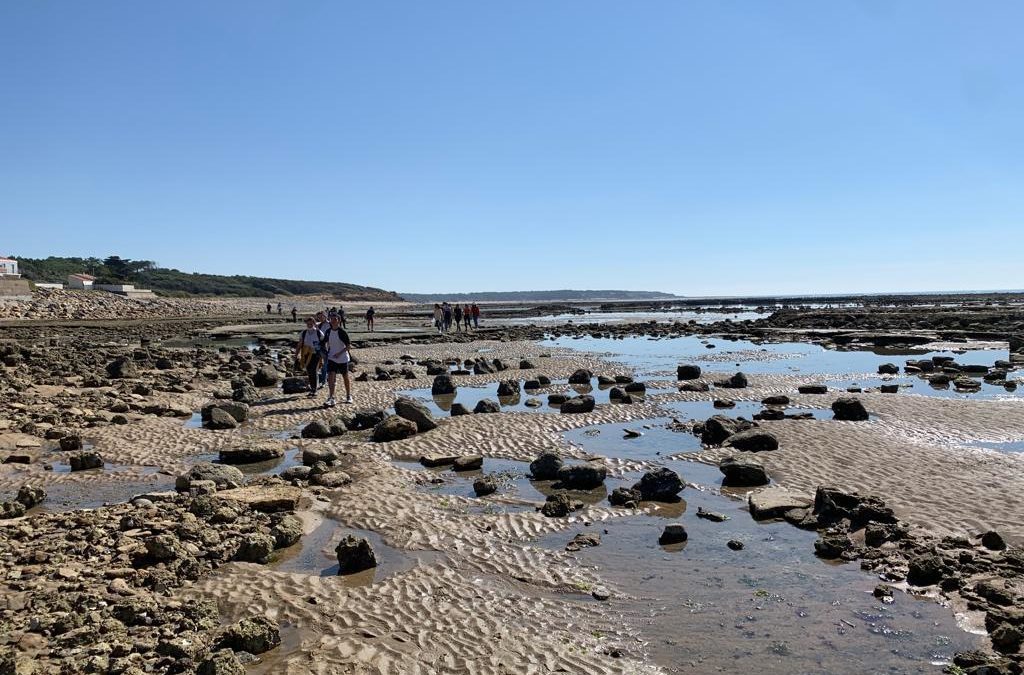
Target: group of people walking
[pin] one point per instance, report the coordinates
(461, 316)
(324, 351)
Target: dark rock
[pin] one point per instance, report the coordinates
(459, 409)
(578, 405)
(295, 385)
(926, 570)
(30, 495)
(993, 541)
(321, 429)
(121, 368)
(266, 377)
(255, 547)
(636, 388)
(354, 555)
(832, 505)
(582, 541)
(251, 454)
(695, 386)
(557, 399)
(888, 369)
(84, 461)
(718, 428)
(753, 440)
(581, 376)
(254, 635)
(394, 428)
(661, 485)
(585, 476)
(687, 372)
(741, 472)
(468, 463)
(286, 531)
(559, 506)
(221, 662)
(735, 544)
(526, 365)
(778, 399)
(832, 545)
(416, 412)
(627, 497)
(546, 466)
(737, 381)
(508, 388)
(486, 405)
(238, 411)
(849, 409)
(219, 419)
(71, 442)
(224, 477)
(889, 388)
(443, 385)
(365, 419)
(812, 389)
(674, 533)
(484, 486)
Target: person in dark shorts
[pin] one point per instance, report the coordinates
(295, 314)
(457, 313)
(369, 318)
(308, 353)
(337, 351)
(467, 316)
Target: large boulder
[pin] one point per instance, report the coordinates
(674, 533)
(255, 547)
(687, 372)
(736, 381)
(741, 472)
(585, 476)
(354, 555)
(416, 412)
(224, 477)
(578, 404)
(443, 385)
(546, 466)
(753, 440)
(849, 409)
(888, 369)
(394, 428)
(775, 502)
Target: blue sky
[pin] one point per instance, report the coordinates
(701, 148)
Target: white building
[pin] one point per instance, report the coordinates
(9, 267)
(81, 282)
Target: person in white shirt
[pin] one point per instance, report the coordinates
(337, 351)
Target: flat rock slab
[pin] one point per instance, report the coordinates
(265, 498)
(774, 502)
(18, 441)
(438, 460)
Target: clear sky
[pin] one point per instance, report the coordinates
(697, 147)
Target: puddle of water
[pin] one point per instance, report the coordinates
(1001, 446)
(657, 442)
(314, 554)
(652, 357)
(70, 495)
(292, 457)
(683, 316)
(195, 421)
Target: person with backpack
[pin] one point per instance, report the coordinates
(337, 351)
(307, 351)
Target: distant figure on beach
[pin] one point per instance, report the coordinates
(446, 312)
(337, 350)
(295, 314)
(268, 308)
(476, 315)
(279, 309)
(438, 317)
(369, 318)
(323, 325)
(457, 313)
(308, 352)
(467, 316)
(341, 317)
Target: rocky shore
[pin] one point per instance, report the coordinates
(170, 509)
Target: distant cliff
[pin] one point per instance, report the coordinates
(171, 282)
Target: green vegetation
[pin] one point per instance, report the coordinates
(171, 282)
